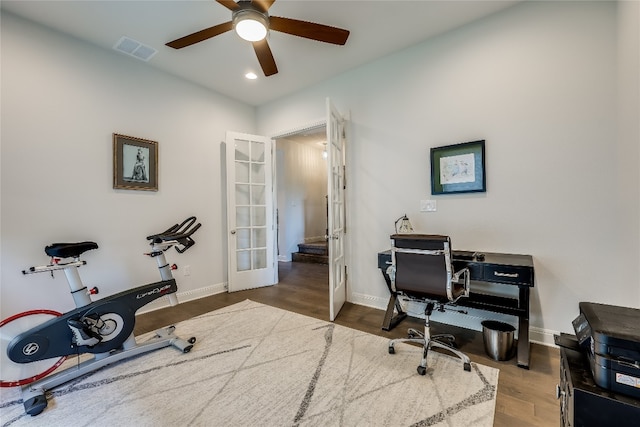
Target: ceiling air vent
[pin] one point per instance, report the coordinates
(133, 48)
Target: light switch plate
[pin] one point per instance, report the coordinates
(428, 206)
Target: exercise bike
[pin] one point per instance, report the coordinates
(32, 349)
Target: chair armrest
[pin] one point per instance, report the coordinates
(466, 279)
(391, 272)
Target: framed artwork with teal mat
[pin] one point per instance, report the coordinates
(458, 168)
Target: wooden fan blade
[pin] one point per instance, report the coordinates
(265, 57)
(201, 35)
(309, 30)
(263, 5)
(229, 4)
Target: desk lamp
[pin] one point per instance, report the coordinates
(405, 226)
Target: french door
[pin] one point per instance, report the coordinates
(336, 214)
(250, 212)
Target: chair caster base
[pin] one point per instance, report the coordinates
(422, 370)
(467, 367)
(392, 350)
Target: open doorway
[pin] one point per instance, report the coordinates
(252, 200)
(293, 172)
(301, 176)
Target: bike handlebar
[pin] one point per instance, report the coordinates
(178, 232)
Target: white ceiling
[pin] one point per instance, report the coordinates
(378, 28)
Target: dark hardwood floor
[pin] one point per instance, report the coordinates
(525, 397)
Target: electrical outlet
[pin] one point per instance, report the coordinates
(187, 270)
(428, 206)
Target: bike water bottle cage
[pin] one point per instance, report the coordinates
(69, 250)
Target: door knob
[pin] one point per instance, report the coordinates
(233, 231)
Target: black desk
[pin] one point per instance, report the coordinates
(506, 269)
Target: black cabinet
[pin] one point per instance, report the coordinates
(584, 404)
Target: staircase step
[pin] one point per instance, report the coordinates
(309, 258)
(316, 248)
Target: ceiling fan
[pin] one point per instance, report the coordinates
(251, 20)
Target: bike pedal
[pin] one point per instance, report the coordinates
(83, 335)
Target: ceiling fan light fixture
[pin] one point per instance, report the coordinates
(250, 24)
(251, 21)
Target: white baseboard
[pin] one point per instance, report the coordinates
(472, 320)
(369, 301)
(184, 297)
(542, 336)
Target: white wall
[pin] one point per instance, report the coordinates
(540, 83)
(551, 86)
(302, 187)
(629, 118)
(61, 101)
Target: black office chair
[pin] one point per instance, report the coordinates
(422, 270)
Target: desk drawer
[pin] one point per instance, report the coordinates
(508, 274)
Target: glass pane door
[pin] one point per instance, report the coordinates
(250, 209)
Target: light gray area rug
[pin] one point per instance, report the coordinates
(256, 365)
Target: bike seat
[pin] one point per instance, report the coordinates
(67, 250)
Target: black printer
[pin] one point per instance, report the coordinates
(610, 337)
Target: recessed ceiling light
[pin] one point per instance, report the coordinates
(251, 76)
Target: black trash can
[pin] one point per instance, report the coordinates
(498, 339)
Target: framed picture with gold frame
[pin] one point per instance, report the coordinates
(135, 163)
